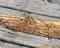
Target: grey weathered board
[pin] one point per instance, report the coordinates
(35, 6)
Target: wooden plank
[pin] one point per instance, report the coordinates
(4, 44)
(37, 6)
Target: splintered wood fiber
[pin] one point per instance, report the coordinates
(32, 25)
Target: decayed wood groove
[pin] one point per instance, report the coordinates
(32, 25)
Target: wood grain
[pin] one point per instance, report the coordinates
(32, 25)
(47, 46)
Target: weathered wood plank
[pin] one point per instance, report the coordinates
(37, 6)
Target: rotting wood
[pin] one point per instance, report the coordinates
(32, 25)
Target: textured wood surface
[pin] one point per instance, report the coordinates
(47, 46)
(27, 39)
(32, 25)
(38, 6)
